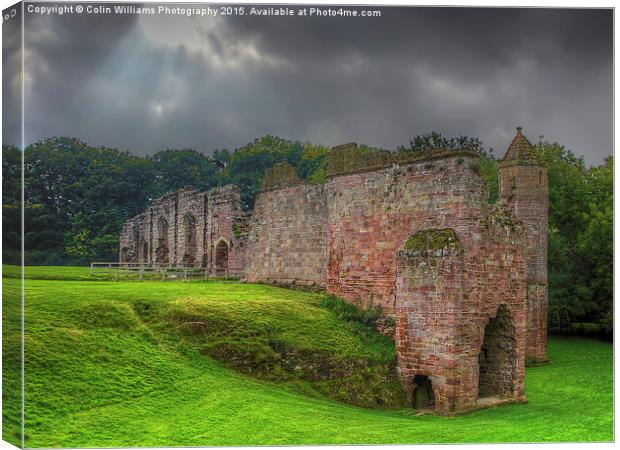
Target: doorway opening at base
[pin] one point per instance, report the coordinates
(423, 395)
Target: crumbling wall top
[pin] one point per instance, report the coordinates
(349, 158)
(280, 176)
(166, 197)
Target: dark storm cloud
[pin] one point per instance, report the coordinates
(146, 83)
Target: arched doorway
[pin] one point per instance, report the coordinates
(124, 254)
(144, 253)
(423, 396)
(136, 244)
(498, 357)
(161, 253)
(221, 256)
(189, 228)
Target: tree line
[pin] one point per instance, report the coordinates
(77, 198)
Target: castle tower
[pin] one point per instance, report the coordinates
(523, 185)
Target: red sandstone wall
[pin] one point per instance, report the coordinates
(371, 214)
(444, 301)
(287, 237)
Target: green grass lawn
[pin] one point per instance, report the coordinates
(114, 364)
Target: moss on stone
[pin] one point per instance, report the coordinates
(500, 216)
(239, 230)
(433, 239)
(475, 166)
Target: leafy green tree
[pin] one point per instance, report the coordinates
(566, 174)
(83, 246)
(11, 174)
(313, 163)
(11, 204)
(246, 165)
(595, 245)
(70, 186)
(567, 195)
(580, 240)
(434, 139)
(175, 169)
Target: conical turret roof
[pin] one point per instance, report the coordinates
(520, 149)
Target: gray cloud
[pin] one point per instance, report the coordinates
(150, 82)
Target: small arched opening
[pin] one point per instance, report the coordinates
(136, 234)
(423, 396)
(498, 357)
(162, 251)
(144, 253)
(124, 254)
(189, 228)
(221, 255)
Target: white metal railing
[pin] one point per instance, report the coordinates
(161, 271)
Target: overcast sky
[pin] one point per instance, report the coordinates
(145, 83)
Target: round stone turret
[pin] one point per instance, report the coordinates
(523, 185)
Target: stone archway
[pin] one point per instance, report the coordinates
(124, 255)
(423, 396)
(162, 251)
(221, 255)
(191, 245)
(498, 358)
(144, 253)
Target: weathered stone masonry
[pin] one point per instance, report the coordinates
(189, 228)
(287, 240)
(465, 281)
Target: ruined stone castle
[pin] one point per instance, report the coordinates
(464, 281)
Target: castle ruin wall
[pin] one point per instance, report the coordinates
(461, 314)
(287, 242)
(226, 230)
(371, 214)
(186, 228)
(465, 281)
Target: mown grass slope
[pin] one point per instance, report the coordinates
(130, 363)
(11, 363)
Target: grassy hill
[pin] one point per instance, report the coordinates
(201, 364)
